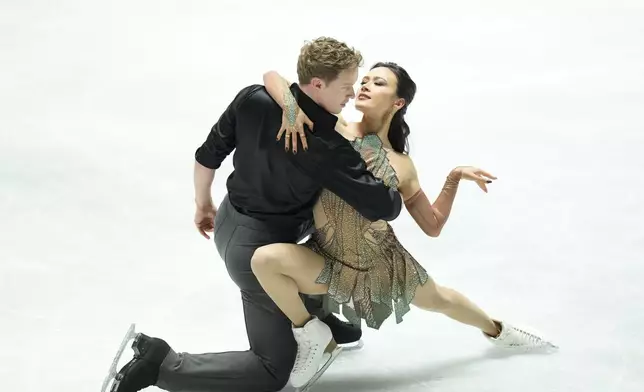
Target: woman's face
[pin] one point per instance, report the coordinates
(376, 95)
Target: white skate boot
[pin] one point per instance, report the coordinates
(516, 338)
(316, 350)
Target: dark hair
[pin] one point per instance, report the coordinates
(399, 130)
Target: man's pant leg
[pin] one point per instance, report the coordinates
(267, 365)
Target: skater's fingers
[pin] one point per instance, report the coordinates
(487, 174)
(308, 122)
(481, 185)
(281, 133)
(305, 145)
(203, 233)
(202, 230)
(294, 134)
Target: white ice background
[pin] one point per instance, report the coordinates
(104, 102)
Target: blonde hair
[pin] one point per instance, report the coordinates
(325, 58)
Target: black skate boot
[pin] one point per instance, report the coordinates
(344, 333)
(143, 370)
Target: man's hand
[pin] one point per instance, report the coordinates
(205, 219)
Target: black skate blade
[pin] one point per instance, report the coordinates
(348, 347)
(113, 374)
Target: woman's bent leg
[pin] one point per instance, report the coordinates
(284, 271)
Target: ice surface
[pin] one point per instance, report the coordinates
(104, 103)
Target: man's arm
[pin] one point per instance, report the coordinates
(221, 141)
(342, 171)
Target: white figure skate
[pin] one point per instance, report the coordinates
(315, 353)
(521, 339)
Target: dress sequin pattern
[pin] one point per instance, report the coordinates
(369, 273)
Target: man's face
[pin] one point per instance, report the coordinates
(335, 95)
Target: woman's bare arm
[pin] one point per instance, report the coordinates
(431, 218)
(278, 87)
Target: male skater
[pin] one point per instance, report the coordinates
(270, 198)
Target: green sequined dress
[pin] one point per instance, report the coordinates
(369, 273)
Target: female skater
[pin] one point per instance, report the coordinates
(360, 264)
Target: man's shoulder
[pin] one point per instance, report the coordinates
(252, 90)
(257, 96)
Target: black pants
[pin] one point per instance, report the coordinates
(267, 365)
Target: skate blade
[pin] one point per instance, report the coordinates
(352, 347)
(546, 347)
(130, 335)
(542, 349)
(320, 372)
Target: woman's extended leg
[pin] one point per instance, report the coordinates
(284, 271)
(454, 305)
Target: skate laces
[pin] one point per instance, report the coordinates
(305, 353)
(526, 337)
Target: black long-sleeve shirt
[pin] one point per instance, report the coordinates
(271, 184)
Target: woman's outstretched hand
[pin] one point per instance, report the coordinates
(293, 121)
(471, 173)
